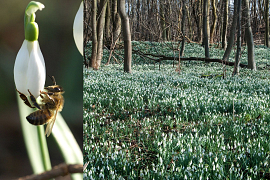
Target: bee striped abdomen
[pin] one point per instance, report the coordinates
(39, 117)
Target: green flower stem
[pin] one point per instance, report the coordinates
(44, 148)
(32, 142)
(35, 142)
(30, 26)
(67, 144)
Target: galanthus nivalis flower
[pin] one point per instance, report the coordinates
(29, 68)
(78, 29)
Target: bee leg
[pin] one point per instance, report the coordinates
(46, 94)
(33, 99)
(24, 98)
(41, 96)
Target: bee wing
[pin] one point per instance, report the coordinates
(50, 124)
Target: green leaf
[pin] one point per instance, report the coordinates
(31, 139)
(67, 144)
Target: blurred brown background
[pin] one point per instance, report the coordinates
(62, 60)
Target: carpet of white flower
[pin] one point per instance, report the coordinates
(155, 124)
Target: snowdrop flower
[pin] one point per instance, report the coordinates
(29, 68)
(78, 29)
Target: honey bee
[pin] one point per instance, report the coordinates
(52, 102)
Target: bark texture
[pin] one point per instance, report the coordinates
(100, 31)
(93, 59)
(225, 22)
(126, 36)
(232, 33)
(213, 27)
(249, 37)
(238, 51)
(266, 19)
(205, 29)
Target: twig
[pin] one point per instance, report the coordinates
(113, 44)
(59, 170)
(233, 110)
(111, 56)
(85, 165)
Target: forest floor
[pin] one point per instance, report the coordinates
(168, 124)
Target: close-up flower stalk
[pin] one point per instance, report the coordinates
(30, 74)
(29, 77)
(29, 68)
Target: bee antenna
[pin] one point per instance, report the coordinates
(53, 79)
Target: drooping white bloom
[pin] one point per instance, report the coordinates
(78, 29)
(29, 69)
(33, 7)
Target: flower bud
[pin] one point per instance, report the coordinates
(29, 68)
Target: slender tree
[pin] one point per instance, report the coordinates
(196, 11)
(205, 29)
(213, 27)
(168, 19)
(116, 22)
(138, 29)
(266, 19)
(249, 36)
(225, 22)
(108, 21)
(232, 33)
(93, 59)
(126, 36)
(190, 23)
(100, 32)
(238, 51)
(162, 20)
(183, 27)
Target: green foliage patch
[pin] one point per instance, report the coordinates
(155, 124)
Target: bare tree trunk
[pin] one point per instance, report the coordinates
(142, 20)
(238, 51)
(138, 29)
(255, 17)
(232, 33)
(205, 29)
(179, 20)
(126, 35)
(183, 28)
(87, 23)
(132, 18)
(207, 14)
(100, 30)
(225, 22)
(249, 37)
(196, 10)
(213, 27)
(116, 22)
(266, 19)
(108, 21)
(93, 59)
(162, 20)
(190, 34)
(168, 16)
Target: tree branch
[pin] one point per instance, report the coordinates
(159, 58)
(59, 170)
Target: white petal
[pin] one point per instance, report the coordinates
(36, 73)
(21, 67)
(78, 29)
(41, 56)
